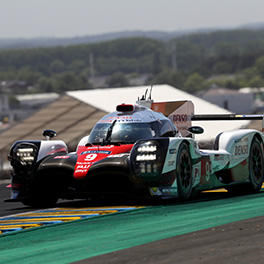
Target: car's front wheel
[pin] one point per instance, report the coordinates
(41, 196)
(184, 172)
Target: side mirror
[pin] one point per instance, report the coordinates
(196, 130)
(48, 134)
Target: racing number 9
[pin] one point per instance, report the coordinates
(90, 157)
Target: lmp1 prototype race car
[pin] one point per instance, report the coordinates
(140, 151)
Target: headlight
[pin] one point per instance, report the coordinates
(145, 158)
(147, 147)
(25, 153)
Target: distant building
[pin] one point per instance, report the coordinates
(231, 100)
(36, 100)
(14, 86)
(5, 113)
(4, 106)
(258, 94)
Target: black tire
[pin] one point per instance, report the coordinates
(40, 202)
(184, 172)
(41, 197)
(255, 166)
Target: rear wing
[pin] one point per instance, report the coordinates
(228, 117)
(182, 115)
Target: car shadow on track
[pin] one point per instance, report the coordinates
(126, 201)
(139, 201)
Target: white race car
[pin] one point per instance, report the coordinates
(138, 149)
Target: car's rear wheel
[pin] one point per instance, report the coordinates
(256, 166)
(184, 172)
(255, 171)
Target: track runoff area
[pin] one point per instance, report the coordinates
(59, 215)
(64, 235)
(51, 216)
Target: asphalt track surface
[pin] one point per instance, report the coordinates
(236, 242)
(239, 242)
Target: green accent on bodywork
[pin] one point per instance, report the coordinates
(195, 161)
(78, 240)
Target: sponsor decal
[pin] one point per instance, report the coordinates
(118, 117)
(172, 151)
(169, 191)
(128, 119)
(96, 151)
(97, 147)
(61, 157)
(83, 163)
(180, 118)
(219, 157)
(83, 166)
(241, 150)
(196, 174)
(205, 170)
(208, 171)
(118, 155)
(90, 157)
(171, 163)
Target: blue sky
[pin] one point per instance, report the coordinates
(69, 18)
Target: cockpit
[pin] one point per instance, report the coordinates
(129, 133)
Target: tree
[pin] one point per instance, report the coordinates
(45, 84)
(256, 81)
(117, 79)
(57, 66)
(77, 66)
(67, 81)
(194, 83)
(171, 77)
(28, 75)
(260, 66)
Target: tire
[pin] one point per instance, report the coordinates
(184, 172)
(41, 197)
(40, 202)
(255, 166)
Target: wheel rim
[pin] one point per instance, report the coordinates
(185, 172)
(256, 164)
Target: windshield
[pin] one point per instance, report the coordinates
(122, 132)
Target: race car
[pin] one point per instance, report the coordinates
(140, 151)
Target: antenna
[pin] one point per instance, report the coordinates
(150, 92)
(146, 94)
(147, 102)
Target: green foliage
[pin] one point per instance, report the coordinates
(185, 62)
(56, 66)
(117, 79)
(256, 81)
(171, 77)
(194, 83)
(13, 102)
(45, 84)
(260, 66)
